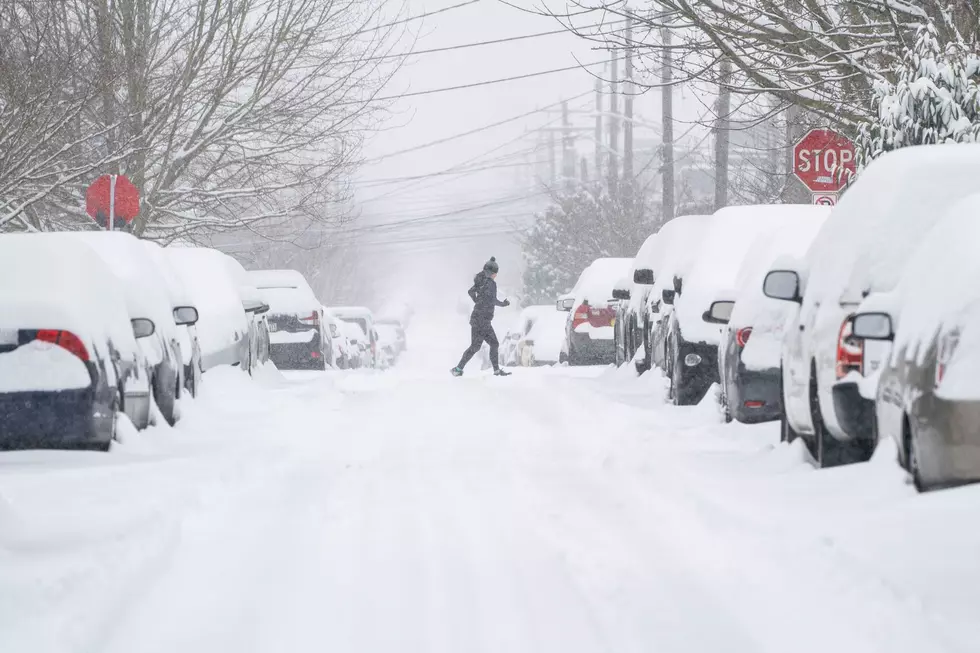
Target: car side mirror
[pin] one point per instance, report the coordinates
(643, 277)
(783, 285)
(255, 307)
(143, 327)
(678, 285)
(621, 294)
(719, 313)
(185, 315)
(872, 326)
(566, 304)
(668, 296)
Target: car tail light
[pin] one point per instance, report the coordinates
(64, 339)
(751, 403)
(850, 351)
(742, 336)
(313, 319)
(315, 354)
(581, 314)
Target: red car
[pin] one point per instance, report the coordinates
(590, 329)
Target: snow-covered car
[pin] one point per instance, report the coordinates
(359, 343)
(145, 290)
(399, 332)
(752, 331)
(298, 334)
(508, 344)
(633, 298)
(69, 359)
(223, 324)
(589, 332)
(928, 392)
(692, 343)
(676, 248)
(343, 354)
(390, 339)
(259, 345)
(860, 251)
(364, 319)
(541, 343)
(185, 315)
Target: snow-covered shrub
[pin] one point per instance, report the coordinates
(934, 100)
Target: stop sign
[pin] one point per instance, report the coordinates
(115, 195)
(823, 160)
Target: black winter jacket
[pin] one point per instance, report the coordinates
(484, 296)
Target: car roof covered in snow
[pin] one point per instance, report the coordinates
(352, 312)
(62, 284)
(285, 291)
(752, 307)
(596, 283)
(179, 294)
(725, 244)
(143, 285)
(880, 220)
(216, 293)
(676, 248)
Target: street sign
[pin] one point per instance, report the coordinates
(112, 201)
(825, 199)
(824, 161)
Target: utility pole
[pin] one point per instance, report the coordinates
(723, 133)
(585, 170)
(598, 129)
(613, 122)
(667, 116)
(567, 148)
(628, 127)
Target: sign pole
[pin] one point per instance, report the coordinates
(112, 200)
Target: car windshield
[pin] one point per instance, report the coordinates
(490, 326)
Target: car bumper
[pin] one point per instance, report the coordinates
(700, 376)
(298, 356)
(756, 396)
(599, 351)
(855, 414)
(54, 420)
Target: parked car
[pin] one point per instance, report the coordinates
(692, 343)
(541, 343)
(185, 315)
(589, 328)
(364, 319)
(633, 296)
(508, 344)
(401, 340)
(224, 325)
(69, 359)
(360, 344)
(144, 288)
(927, 394)
(390, 340)
(677, 245)
(860, 251)
(752, 329)
(343, 353)
(256, 309)
(298, 333)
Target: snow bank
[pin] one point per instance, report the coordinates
(62, 284)
(222, 321)
(595, 284)
(727, 241)
(766, 316)
(41, 366)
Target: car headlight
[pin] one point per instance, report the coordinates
(692, 359)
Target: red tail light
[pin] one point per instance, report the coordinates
(850, 351)
(581, 314)
(313, 319)
(64, 339)
(742, 336)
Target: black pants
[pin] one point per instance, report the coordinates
(481, 332)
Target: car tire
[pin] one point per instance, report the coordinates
(786, 432)
(912, 456)
(829, 451)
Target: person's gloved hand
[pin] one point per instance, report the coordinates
(506, 302)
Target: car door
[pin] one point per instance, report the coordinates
(796, 368)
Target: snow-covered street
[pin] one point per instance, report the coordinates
(560, 510)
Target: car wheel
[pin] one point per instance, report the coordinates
(786, 432)
(829, 451)
(912, 456)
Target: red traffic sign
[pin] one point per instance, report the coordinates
(824, 160)
(112, 195)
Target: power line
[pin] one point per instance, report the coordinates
(410, 19)
(486, 82)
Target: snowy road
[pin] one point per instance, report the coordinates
(561, 510)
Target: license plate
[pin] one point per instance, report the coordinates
(273, 327)
(9, 336)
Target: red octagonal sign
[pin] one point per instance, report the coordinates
(824, 160)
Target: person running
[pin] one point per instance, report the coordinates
(484, 296)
